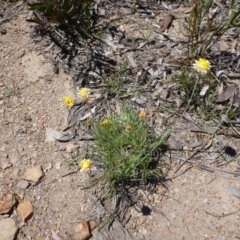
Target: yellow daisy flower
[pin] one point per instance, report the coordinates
(85, 165)
(83, 93)
(68, 101)
(128, 128)
(106, 122)
(202, 65)
(142, 114)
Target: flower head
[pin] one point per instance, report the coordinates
(85, 165)
(202, 65)
(142, 114)
(106, 122)
(128, 128)
(83, 93)
(88, 121)
(68, 101)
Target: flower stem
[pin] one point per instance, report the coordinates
(190, 99)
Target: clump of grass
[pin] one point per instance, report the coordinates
(190, 86)
(125, 147)
(197, 86)
(114, 84)
(204, 29)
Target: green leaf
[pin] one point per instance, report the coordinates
(207, 4)
(233, 17)
(37, 6)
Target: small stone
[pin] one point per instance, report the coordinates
(62, 148)
(78, 228)
(8, 229)
(6, 165)
(85, 228)
(70, 148)
(8, 201)
(93, 224)
(85, 232)
(52, 135)
(33, 174)
(25, 210)
(23, 184)
(2, 111)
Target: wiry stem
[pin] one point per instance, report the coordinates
(190, 99)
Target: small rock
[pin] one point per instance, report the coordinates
(23, 184)
(25, 210)
(93, 224)
(2, 111)
(33, 174)
(85, 229)
(85, 232)
(70, 148)
(78, 228)
(58, 165)
(55, 236)
(62, 148)
(8, 201)
(8, 229)
(6, 165)
(52, 135)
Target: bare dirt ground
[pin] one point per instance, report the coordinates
(197, 204)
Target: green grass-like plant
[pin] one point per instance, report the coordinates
(114, 84)
(191, 87)
(125, 149)
(204, 30)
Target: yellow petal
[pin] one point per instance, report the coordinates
(85, 165)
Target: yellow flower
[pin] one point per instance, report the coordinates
(106, 122)
(83, 93)
(68, 101)
(128, 128)
(202, 65)
(88, 121)
(85, 165)
(142, 114)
